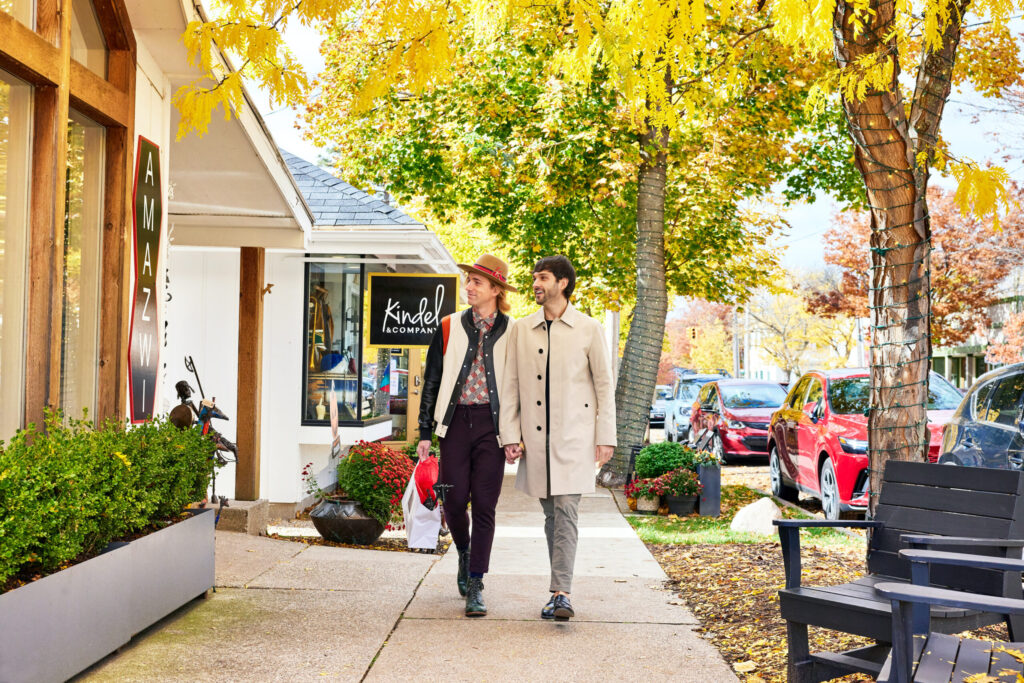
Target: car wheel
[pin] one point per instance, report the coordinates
(718, 448)
(779, 487)
(830, 504)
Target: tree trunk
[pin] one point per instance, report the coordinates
(638, 373)
(886, 149)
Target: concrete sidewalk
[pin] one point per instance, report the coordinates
(288, 612)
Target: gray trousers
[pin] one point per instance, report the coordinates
(561, 514)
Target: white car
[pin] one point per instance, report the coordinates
(677, 410)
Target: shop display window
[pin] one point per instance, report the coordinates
(15, 158)
(22, 10)
(83, 235)
(333, 348)
(88, 46)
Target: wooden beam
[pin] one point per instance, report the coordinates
(46, 222)
(116, 26)
(27, 54)
(99, 99)
(250, 371)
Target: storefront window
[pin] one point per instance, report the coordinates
(83, 235)
(15, 155)
(22, 10)
(334, 293)
(88, 46)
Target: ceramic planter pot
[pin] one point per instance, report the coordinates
(647, 506)
(681, 505)
(344, 521)
(710, 478)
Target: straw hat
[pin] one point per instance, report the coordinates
(492, 268)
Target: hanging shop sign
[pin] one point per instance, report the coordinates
(143, 345)
(406, 308)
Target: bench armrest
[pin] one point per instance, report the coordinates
(814, 523)
(963, 560)
(928, 595)
(789, 538)
(931, 539)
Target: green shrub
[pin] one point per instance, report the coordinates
(75, 488)
(375, 476)
(658, 458)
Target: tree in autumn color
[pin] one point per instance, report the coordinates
(969, 259)
(666, 60)
(1009, 349)
(700, 316)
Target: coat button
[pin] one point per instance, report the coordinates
(540, 350)
(538, 402)
(539, 377)
(586, 405)
(538, 428)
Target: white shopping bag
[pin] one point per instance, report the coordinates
(421, 524)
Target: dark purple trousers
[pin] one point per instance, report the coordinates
(474, 464)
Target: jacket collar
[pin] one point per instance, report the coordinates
(569, 317)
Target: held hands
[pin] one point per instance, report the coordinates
(603, 454)
(513, 452)
(423, 448)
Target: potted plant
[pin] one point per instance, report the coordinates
(658, 458)
(681, 490)
(647, 493)
(371, 480)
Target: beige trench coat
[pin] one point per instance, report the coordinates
(582, 414)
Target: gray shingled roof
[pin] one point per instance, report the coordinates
(335, 202)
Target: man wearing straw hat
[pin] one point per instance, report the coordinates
(463, 374)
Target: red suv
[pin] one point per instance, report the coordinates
(818, 439)
(730, 417)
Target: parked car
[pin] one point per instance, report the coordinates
(662, 395)
(684, 393)
(818, 439)
(987, 429)
(730, 417)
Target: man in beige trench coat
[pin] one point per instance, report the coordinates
(558, 401)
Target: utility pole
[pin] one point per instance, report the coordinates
(735, 342)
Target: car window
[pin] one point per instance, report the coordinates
(941, 394)
(981, 400)
(687, 392)
(753, 396)
(1005, 399)
(849, 395)
(796, 397)
(711, 400)
(814, 394)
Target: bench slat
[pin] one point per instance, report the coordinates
(972, 659)
(1001, 506)
(941, 523)
(936, 662)
(985, 581)
(973, 478)
(1003, 666)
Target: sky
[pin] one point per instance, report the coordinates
(804, 242)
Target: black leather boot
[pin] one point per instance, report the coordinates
(463, 577)
(475, 606)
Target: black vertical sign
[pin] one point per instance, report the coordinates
(143, 346)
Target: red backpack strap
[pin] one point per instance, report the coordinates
(446, 329)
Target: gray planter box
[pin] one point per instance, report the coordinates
(55, 627)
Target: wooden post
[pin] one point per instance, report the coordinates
(46, 239)
(250, 372)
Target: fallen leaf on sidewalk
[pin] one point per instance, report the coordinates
(620, 581)
(744, 667)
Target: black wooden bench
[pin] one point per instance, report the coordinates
(920, 655)
(922, 505)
